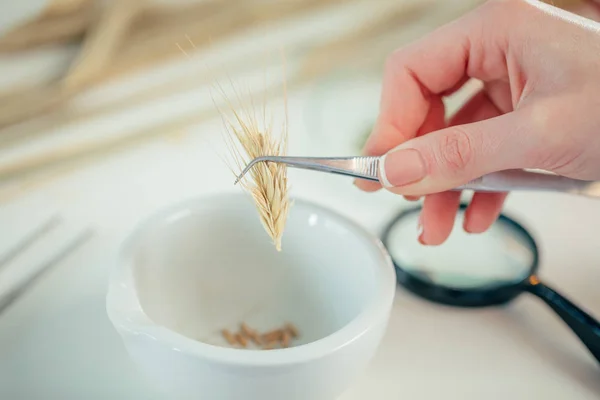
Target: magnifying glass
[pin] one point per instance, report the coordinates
(480, 270)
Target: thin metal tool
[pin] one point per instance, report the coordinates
(357, 167)
(367, 168)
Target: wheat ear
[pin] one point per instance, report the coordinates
(266, 182)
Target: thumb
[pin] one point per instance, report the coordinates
(451, 157)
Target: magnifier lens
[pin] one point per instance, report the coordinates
(498, 257)
(479, 270)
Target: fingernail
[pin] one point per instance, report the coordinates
(401, 167)
(420, 229)
(466, 225)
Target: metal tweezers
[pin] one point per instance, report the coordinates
(367, 168)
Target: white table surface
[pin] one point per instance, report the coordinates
(56, 341)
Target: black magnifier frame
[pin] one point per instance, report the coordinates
(581, 323)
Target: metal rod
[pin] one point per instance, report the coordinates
(29, 240)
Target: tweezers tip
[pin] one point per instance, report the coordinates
(240, 176)
(245, 170)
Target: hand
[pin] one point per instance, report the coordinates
(539, 108)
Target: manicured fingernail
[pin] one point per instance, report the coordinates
(401, 167)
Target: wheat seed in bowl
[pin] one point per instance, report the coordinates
(229, 337)
(280, 337)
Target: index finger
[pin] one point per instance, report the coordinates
(418, 75)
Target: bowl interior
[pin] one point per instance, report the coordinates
(209, 265)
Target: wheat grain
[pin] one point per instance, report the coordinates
(241, 339)
(276, 338)
(228, 336)
(292, 330)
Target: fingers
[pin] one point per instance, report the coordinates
(478, 108)
(439, 213)
(434, 120)
(483, 211)
(437, 217)
(499, 94)
(417, 76)
(367, 186)
(484, 208)
(451, 157)
(412, 198)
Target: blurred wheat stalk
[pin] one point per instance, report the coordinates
(120, 37)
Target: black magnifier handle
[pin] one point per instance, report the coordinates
(582, 324)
